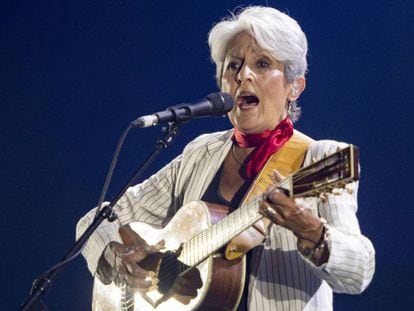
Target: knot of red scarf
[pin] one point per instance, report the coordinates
(266, 144)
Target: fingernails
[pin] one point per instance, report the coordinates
(273, 190)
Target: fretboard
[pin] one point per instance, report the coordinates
(216, 236)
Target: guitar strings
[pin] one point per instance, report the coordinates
(330, 169)
(198, 255)
(127, 297)
(212, 230)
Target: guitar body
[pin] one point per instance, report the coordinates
(222, 280)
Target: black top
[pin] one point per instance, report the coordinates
(213, 195)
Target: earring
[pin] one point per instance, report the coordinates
(289, 107)
(294, 110)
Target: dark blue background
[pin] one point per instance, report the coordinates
(75, 73)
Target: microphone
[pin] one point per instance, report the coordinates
(215, 104)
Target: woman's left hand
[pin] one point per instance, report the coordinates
(291, 214)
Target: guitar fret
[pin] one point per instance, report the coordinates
(183, 252)
(245, 218)
(192, 251)
(197, 244)
(225, 230)
(211, 238)
(224, 233)
(228, 228)
(233, 228)
(201, 248)
(208, 245)
(216, 239)
(206, 242)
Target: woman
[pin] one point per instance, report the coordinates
(260, 55)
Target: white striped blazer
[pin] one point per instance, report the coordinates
(284, 279)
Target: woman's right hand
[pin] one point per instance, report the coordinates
(120, 262)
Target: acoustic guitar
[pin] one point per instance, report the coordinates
(199, 268)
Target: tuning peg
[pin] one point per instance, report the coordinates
(337, 191)
(323, 197)
(349, 188)
(340, 185)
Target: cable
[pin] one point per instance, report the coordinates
(111, 169)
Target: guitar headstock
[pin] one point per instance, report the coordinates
(331, 172)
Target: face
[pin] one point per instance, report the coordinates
(257, 83)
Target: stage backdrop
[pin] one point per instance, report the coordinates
(75, 73)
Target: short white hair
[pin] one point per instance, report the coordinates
(274, 31)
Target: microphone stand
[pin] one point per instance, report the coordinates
(40, 286)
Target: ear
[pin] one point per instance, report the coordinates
(297, 87)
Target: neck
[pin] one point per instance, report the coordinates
(264, 145)
(240, 154)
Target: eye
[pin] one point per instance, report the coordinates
(263, 63)
(233, 66)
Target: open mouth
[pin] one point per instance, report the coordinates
(247, 101)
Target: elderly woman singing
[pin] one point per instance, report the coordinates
(215, 229)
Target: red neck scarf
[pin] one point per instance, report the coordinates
(266, 144)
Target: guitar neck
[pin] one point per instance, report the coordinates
(127, 298)
(216, 236)
(220, 234)
(335, 170)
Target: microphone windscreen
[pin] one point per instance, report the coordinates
(221, 103)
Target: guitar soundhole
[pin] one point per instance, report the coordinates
(169, 269)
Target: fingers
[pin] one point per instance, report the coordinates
(130, 237)
(128, 270)
(129, 253)
(118, 248)
(160, 245)
(276, 176)
(137, 278)
(276, 196)
(269, 192)
(279, 207)
(268, 211)
(154, 248)
(291, 214)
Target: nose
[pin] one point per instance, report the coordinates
(245, 74)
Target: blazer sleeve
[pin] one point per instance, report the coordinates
(152, 202)
(351, 264)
